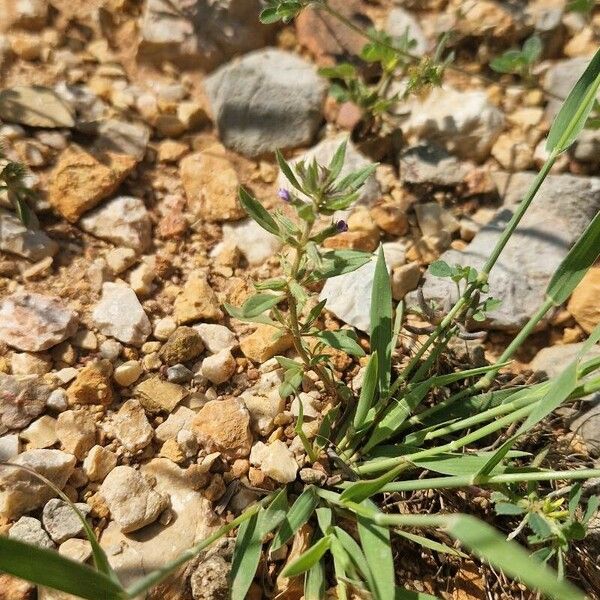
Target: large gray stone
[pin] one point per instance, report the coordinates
(30, 243)
(558, 215)
(269, 99)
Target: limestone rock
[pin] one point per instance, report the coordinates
(558, 215)
(215, 337)
(28, 14)
(92, 384)
(131, 426)
(61, 521)
(17, 239)
(256, 244)
(9, 446)
(184, 344)
(211, 185)
(196, 301)
(124, 221)
(81, 180)
(428, 164)
(128, 372)
(583, 304)
(76, 432)
(120, 314)
(79, 550)
(122, 137)
(405, 279)
(21, 492)
(36, 106)
(156, 395)
(268, 99)
(264, 402)
(99, 463)
(181, 418)
(22, 399)
(264, 343)
(219, 367)
(224, 426)
(132, 502)
(34, 322)
(29, 530)
(275, 460)
(41, 433)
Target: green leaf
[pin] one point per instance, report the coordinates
(256, 211)
(246, 556)
(532, 49)
(50, 569)
(337, 162)
(237, 313)
(463, 464)
(404, 594)
(314, 582)
(381, 322)
(274, 514)
(309, 558)
(441, 268)
(340, 262)
(574, 112)
(287, 171)
(377, 546)
(431, 544)
(324, 518)
(361, 490)
(341, 71)
(344, 340)
(506, 508)
(354, 181)
(354, 551)
(367, 392)
(299, 513)
(575, 265)
(258, 304)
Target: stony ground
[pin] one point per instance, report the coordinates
(121, 378)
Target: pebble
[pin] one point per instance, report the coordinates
(85, 339)
(405, 279)
(98, 463)
(57, 400)
(124, 221)
(22, 399)
(264, 343)
(9, 446)
(27, 242)
(428, 164)
(123, 137)
(34, 322)
(196, 301)
(131, 427)
(128, 372)
(181, 418)
(110, 349)
(256, 244)
(92, 384)
(219, 367)
(224, 426)
(30, 531)
(132, 502)
(75, 549)
(35, 106)
(400, 22)
(264, 402)
(164, 327)
(120, 259)
(80, 180)
(61, 521)
(179, 374)
(156, 395)
(267, 82)
(25, 363)
(22, 492)
(275, 460)
(143, 276)
(76, 432)
(120, 314)
(183, 345)
(41, 433)
(583, 304)
(215, 337)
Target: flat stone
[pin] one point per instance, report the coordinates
(61, 521)
(75, 549)
(183, 345)
(81, 180)
(131, 427)
(275, 460)
(132, 502)
(122, 137)
(264, 342)
(23, 241)
(41, 433)
(29, 530)
(120, 314)
(323, 152)
(211, 185)
(76, 432)
(92, 384)
(266, 100)
(219, 367)
(428, 164)
(35, 106)
(256, 244)
(124, 221)
(99, 463)
(558, 215)
(22, 399)
(224, 426)
(34, 322)
(156, 395)
(197, 301)
(21, 492)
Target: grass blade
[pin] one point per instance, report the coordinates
(298, 514)
(337, 162)
(274, 514)
(246, 556)
(575, 265)
(367, 392)
(50, 569)
(361, 490)
(309, 558)
(574, 112)
(314, 582)
(431, 544)
(257, 212)
(381, 321)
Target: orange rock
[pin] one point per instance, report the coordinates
(92, 385)
(264, 343)
(584, 305)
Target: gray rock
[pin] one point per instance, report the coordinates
(33, 244)
(21, 492)
(179, 374)
(33, 322)
(466, 123)
(553, 359)
(269, 99)
(587, 147)
(123, 137)
(22, 399)
(199, 34)
(564, 206)
(61, 521)
(124, 221)
(87, 105)
(35, 106)
(9, 446)
(29, 530)
(399, 22)
(210, 579)
(323, 153)
(120, 314)
(256, 244)
(428, 164)
(587, 425)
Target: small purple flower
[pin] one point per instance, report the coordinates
(284, 194)
(341, 226)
